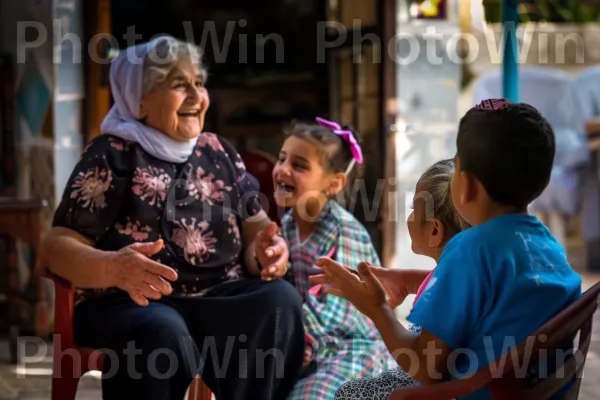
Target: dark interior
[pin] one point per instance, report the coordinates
(264, 48)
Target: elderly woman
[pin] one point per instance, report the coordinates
(161, 231)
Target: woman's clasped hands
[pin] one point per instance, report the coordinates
(271, 252)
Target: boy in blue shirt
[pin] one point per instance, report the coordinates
(497, 282)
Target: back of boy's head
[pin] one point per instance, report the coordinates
(509, 148)
(336, 153)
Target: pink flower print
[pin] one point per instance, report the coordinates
(211, 140)
(198, 153)
(89, 188)
(134, 229)
(205, 188)
(151, 183)
(235, 272)
(240, 164)
(195, 239)
(234, 229)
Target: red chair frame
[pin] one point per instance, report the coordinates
(575, 319)
(66, 371)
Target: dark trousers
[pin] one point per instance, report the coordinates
(245, 338)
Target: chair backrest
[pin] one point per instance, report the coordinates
(506, 378)
(260, 165)
(554, 337)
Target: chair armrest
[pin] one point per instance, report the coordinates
(63, 309)
(59, 283)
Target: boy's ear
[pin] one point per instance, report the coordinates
(337, 183)
(468, 187)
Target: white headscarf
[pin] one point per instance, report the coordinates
(126, 77)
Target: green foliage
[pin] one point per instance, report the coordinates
(578, 11)
(574, 11)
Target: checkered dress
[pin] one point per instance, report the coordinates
(347, 345)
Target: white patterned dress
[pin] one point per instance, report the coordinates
(378, 387)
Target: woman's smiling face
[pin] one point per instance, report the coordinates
(178, 105)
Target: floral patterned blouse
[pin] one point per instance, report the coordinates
(118, 194)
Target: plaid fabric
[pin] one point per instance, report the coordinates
(347, 345)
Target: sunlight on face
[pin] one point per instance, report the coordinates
(177, 107)
(420, 219)
(298, 176)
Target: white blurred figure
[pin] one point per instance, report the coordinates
(550, 91)
(586, 90)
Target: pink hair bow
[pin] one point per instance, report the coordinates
(345, 135)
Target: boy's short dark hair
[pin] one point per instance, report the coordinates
(509, 148)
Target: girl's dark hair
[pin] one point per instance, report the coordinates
(335, 152)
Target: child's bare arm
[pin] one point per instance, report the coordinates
(399, 283)
(423, 357)
(592, 127)
(411, 278)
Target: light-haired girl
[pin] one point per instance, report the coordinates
(433, 222)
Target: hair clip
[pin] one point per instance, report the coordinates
(346, 135)
(493, 104)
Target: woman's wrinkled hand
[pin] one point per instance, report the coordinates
(132, 270)
(272, 253)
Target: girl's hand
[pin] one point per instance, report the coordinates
(365, 292)
(394, 283)
(132, 270)
(272, 253)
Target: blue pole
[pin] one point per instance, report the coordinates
(510, 68)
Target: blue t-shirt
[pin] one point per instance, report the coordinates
(495, 284)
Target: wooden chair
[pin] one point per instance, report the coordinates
(260, 165)
(499, 376)
(76, 361)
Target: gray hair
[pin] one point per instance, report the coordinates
(164, 57)
(437, 179)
